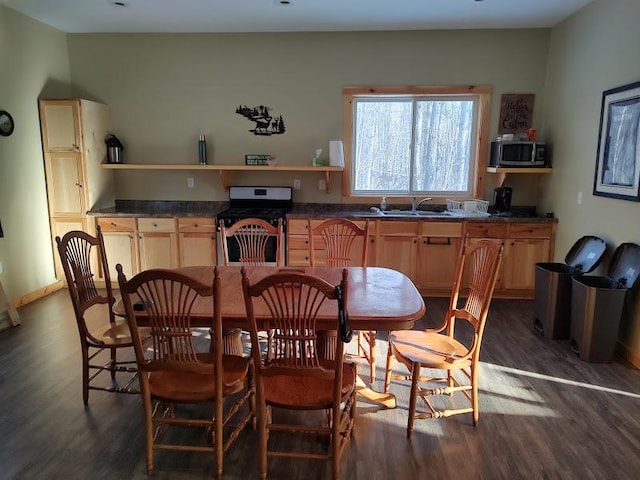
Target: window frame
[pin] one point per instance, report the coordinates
(479, 156)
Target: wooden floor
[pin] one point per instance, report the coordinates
(544, 414)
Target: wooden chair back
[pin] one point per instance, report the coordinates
(477, 269)
(293, 299)
(338, 236)
(77, 250)
(252, 235)
(166, 299)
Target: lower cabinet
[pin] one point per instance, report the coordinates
(298, 244)
(62, 225)
(525, 244)
(197, 241)
(150, 242)
(438, 248)
(158, 243)
(121, 244)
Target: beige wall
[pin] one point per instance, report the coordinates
(34, 62)
(593, 51)
(165, 90)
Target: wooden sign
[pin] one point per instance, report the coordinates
(516, 112)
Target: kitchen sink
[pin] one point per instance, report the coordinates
(415, 213)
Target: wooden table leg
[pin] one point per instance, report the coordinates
(326, 343)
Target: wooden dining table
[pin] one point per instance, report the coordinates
(377, 299)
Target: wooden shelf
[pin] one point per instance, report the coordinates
(502, 172)
(224, 170)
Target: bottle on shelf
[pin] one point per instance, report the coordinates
(202, 151)
(383, 204)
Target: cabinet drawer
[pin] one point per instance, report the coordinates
(117, 224)
(299, 226)
(530, 230)
(486, 230)
(196, 224)
(298, 242)
(441, 229)
(156, 224)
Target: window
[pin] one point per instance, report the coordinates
(416, 141)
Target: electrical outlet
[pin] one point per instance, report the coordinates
(0, 267)
(296, 184)
(322, 184)
(190, 182)
(579, 198)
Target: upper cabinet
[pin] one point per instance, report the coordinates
(73, 135)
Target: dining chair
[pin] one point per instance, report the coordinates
(294, 376)
(454, 347)
(251, 236)
(77, 250)
(175, 370)
(344, 243)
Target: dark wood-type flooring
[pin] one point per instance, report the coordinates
(544, 414)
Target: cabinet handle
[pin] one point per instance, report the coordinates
(113, 224)
(79, 185)
(432, 241)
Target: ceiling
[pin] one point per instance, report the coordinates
(83, 16)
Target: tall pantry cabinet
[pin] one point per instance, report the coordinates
(73, 143)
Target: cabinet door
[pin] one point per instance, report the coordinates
(60, 125)
(157, 250)
(398, 252)
(499, 281)
(120, 247)
(436, 264)
(65, 186)
(59, 227)
(197, 249)
(519, 262)
(121, 244)
(197, 241)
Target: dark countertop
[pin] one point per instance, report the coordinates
(162, 208)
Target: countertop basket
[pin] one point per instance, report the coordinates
(468, 206)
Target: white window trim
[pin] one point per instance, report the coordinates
(479, 162)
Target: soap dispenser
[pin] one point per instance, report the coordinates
(383, 204)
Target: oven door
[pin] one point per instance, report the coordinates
(234, 250)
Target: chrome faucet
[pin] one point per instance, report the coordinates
(415, 204)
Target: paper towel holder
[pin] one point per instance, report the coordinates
(336, 153)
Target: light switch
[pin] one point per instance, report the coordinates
(579, 198)
(296, 184)
(190, 182)
(322, 184)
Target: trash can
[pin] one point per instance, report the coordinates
(597, 304)
(552, 301)
(114, 149)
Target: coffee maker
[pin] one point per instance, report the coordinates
(502, 199)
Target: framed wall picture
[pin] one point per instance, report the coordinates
(618, 159)
(516, 113)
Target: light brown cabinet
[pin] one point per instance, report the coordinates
(298, 244)
(197, 241)
(158, 243)
(150, 242)
(438, 247)
(73, 134)
(525, 244)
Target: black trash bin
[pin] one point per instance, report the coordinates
(597, 304)
(552, 301)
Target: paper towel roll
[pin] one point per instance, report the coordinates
(336, 153)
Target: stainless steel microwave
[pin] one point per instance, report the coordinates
(518, 153)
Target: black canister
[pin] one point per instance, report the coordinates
(502, 199)
(114, 149)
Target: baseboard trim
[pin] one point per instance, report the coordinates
(37, 294)
(629, 355)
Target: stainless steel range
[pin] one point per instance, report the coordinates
(266, 203)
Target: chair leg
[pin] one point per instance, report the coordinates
(219, 441)
(474, 396)
(85, 374)
(113, 363)
(263, 436)
(148, 421)
(372, 356)
(387, 371)
(415, 375)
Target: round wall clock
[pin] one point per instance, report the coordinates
(6, 124)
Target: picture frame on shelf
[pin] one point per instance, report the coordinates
(617, 173)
